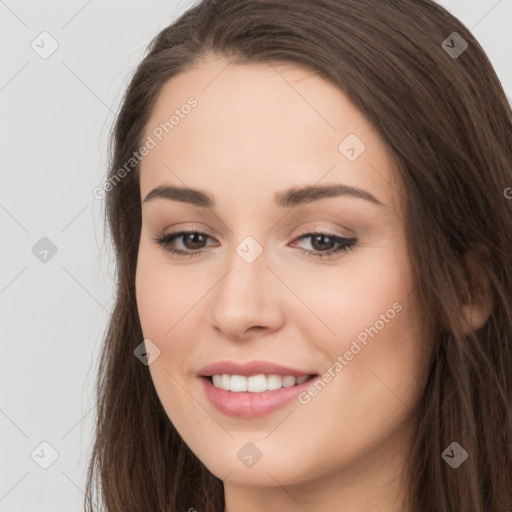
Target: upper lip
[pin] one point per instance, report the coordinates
(250, 368)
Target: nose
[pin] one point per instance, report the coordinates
(248, 299)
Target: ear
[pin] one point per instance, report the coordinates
(477, 309)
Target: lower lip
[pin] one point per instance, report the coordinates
(245, 404)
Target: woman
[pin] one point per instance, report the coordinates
(308, 205)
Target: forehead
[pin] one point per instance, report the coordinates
(257, 128)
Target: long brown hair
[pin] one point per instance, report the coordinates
(447, 119)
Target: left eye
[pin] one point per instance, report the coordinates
(321, 240)
(194, 241)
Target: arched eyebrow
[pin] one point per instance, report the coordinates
(287, 198)
(302, 195)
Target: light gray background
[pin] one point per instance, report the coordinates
(55, 116)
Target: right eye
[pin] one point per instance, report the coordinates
(192, 239)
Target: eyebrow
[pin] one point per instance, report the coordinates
(292, 197)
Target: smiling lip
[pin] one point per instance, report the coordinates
(246, 404)
(248, 369)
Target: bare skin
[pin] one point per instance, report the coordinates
(257, 130)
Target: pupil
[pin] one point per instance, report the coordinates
(319, 238)
(195, 239)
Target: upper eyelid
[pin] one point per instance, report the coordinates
(311, 231)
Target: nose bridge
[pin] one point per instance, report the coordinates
(247, 271)
(246, 296)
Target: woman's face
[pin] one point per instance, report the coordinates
(246, 291)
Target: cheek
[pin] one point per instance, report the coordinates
(365, 294)
(168, 301)
(163, 300)
(366, 326)
(162, 294)
(368, 391)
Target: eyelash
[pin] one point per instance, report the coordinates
(347, 244)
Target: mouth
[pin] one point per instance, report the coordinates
(259, 383)
(253, 396)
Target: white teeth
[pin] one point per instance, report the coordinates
(288, 381)
(225, 382)
(238, 383)
(274, 382)
(255, 383)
